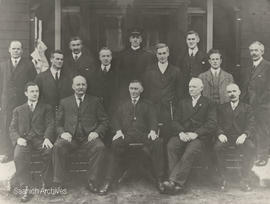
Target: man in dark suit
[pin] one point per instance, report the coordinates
(215, 80)
(194, 61)
(256, 92)
(163, 84)
(103, 81)
(132, 62)
(54, 83)
(32, 128)
(135, 122)
(80, 61)
(236, 126)
(81, 122)
(195, 121)
(14, 74)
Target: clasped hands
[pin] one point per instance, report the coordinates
(67, 136)
(187, 136)
(240, 140)
(119, 134)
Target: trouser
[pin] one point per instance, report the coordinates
(99, 163)
(151, 150)
(22, 160)
(248, 151)
(181, 156)
(6, 144)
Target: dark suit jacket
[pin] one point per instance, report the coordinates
(93, 116)
(105, 86)
(235, 122)
(50, 93)
(161, 89)
(12, 83)
(256, 85)
(132, 65)
(135, 122)
(225, 79)
(40, 124)
(201, 119)
(82, 66)
(189, 70)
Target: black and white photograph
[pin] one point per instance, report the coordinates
(135, 101)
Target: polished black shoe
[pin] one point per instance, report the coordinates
(160, 186)
(26, 196)
(261, 162)
(104, 189)
(246, 187)
(223, 186)
(92, 187)
(169, 187)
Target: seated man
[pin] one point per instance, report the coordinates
(81, 122)
(136, 122)
(194, 123)
(235, 127)
(32, 127)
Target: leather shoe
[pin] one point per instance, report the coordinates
(92, 187)
(246, 187)
(160, 186)
(104, 189)
(261, 162)
(26, 195)
(223, 186)
(178, 189)
(169, 187)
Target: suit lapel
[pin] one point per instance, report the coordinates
(26, 115)
(36, 111)
(257, 70)
(221, 77)
(209, 77)
(237, 110)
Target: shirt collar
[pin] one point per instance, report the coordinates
(256, 63)
(196, 99)
(135, 48)
(194, 51)
(213, 71)
(77, 98)
(108, 67)
(137, 99)
(235, 104)
(53, 71)
(34, 103)
(163, 67)
(17, 59)
(79, 54)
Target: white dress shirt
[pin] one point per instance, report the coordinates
(135, 48)
(215, 72)
(78, 100)
(135, 100)
(195, 100)
(76, 56)
(54, 71)
(32, 105)
(108, 67)
(162, 67)
(15, 62)
(193, 52)
(234, 105)
(257, 62)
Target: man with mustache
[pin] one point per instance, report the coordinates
(236, 127)
(215, 79)
(80, 60)
(256, 92)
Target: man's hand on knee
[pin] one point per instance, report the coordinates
(21, 141)
(92, 136)
(47, 144)
(222, 138)
(66, 136)
(118, 134)
(152, 135)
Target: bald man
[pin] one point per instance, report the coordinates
(14, 74)
(194, 122)
(81, 122)
(236, 126)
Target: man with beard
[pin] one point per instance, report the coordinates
(256, 92)
(132, 62)
(14, 74)
(236, 127)
(80, 61)
(215, 80)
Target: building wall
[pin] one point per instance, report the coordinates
(255, 26)
(14, 25)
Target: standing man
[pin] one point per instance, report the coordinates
(236, 126)
(163, 87)
(32, 128)
(132, 62)
(80, 61)
(54, 83)
(195, 121)
(14, 74)
(194, 60)
(256, 92)
(136, 122)
(103, 81)
(215, 80)
(81, 122)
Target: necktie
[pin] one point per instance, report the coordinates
(134, 101)
(56, 76)
(233, 106)
(31, 107)
(134, 109)
(105, 69)
(76, 57)
(80, 102)
(15, 63)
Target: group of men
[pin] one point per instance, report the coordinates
(171, 111)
